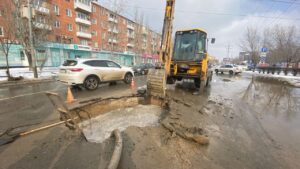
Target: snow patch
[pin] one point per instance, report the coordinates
(28, 74)
(290, 79)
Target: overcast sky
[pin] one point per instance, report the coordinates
(225, 20)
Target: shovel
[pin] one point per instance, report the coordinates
(7, 139)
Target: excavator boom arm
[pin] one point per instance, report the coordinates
(156, 80)
(165, 52)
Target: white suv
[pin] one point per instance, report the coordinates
(231, 69)
(91, 72)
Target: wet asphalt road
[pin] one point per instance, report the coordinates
(274, 109)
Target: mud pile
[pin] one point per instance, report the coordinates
(177, 143)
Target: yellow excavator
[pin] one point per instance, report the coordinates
(187, 60)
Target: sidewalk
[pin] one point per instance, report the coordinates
(48, 74)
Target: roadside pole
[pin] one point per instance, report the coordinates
(31, 40)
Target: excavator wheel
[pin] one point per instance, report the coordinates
(156, 83)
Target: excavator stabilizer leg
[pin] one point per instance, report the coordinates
(156, 83)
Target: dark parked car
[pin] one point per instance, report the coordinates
(142, 69)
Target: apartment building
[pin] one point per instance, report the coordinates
(84, 28)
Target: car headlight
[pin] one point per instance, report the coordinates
(138, 69)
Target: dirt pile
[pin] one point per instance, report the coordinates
(182, 120)
(180, 142)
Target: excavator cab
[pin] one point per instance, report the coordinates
(190, 58)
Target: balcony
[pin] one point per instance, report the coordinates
(131, 27)
(42, 10)
(130, 45)
(83, 21)
(42, 26)
(113, 30)
(82, 6)
(144, 31)
(131, 36)
(84, 35)
(112, 20)
(112, 41)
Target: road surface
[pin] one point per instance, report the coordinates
(261, 129)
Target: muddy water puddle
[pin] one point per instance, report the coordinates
(99, 129)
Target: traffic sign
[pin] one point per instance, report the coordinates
(264, 50)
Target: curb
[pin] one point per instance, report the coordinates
(26, 82)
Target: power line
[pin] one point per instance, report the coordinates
(280, 1)
(217, 13)
(285, 11)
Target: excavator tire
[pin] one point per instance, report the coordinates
(156, 83)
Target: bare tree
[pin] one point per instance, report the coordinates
(286, 43)
(138, 40)
(41, 24)
(117, 7)
(251, 44)
(8, 38)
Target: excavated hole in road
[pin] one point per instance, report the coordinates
(99, 119)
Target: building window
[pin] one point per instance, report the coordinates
(86, 2)
(82, 16)
(69, 12)
(94, 21)
(82, 28)
(58, 39)
(1, 12)
(94, 9)
(83, 42)
(41, 19)
(103, 35)
(103, 12)
(56, 9)
(96, 44)
(94, 33)
(1, 31)
(69, 27)
(57, 24)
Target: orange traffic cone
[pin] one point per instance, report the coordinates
(70, 97)
(132, 84)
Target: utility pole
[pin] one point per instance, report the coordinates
(31, 39)
(228, 50)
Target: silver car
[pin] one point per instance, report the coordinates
(231, 69)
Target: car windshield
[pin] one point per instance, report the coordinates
(70, 63)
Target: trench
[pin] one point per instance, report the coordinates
(98, 119)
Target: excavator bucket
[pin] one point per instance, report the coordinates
(156, 83)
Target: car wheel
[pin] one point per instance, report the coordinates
(217, 71)
(91, 83)
(222, 72)
(231, 72)
(128, 78)
(171, 80)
